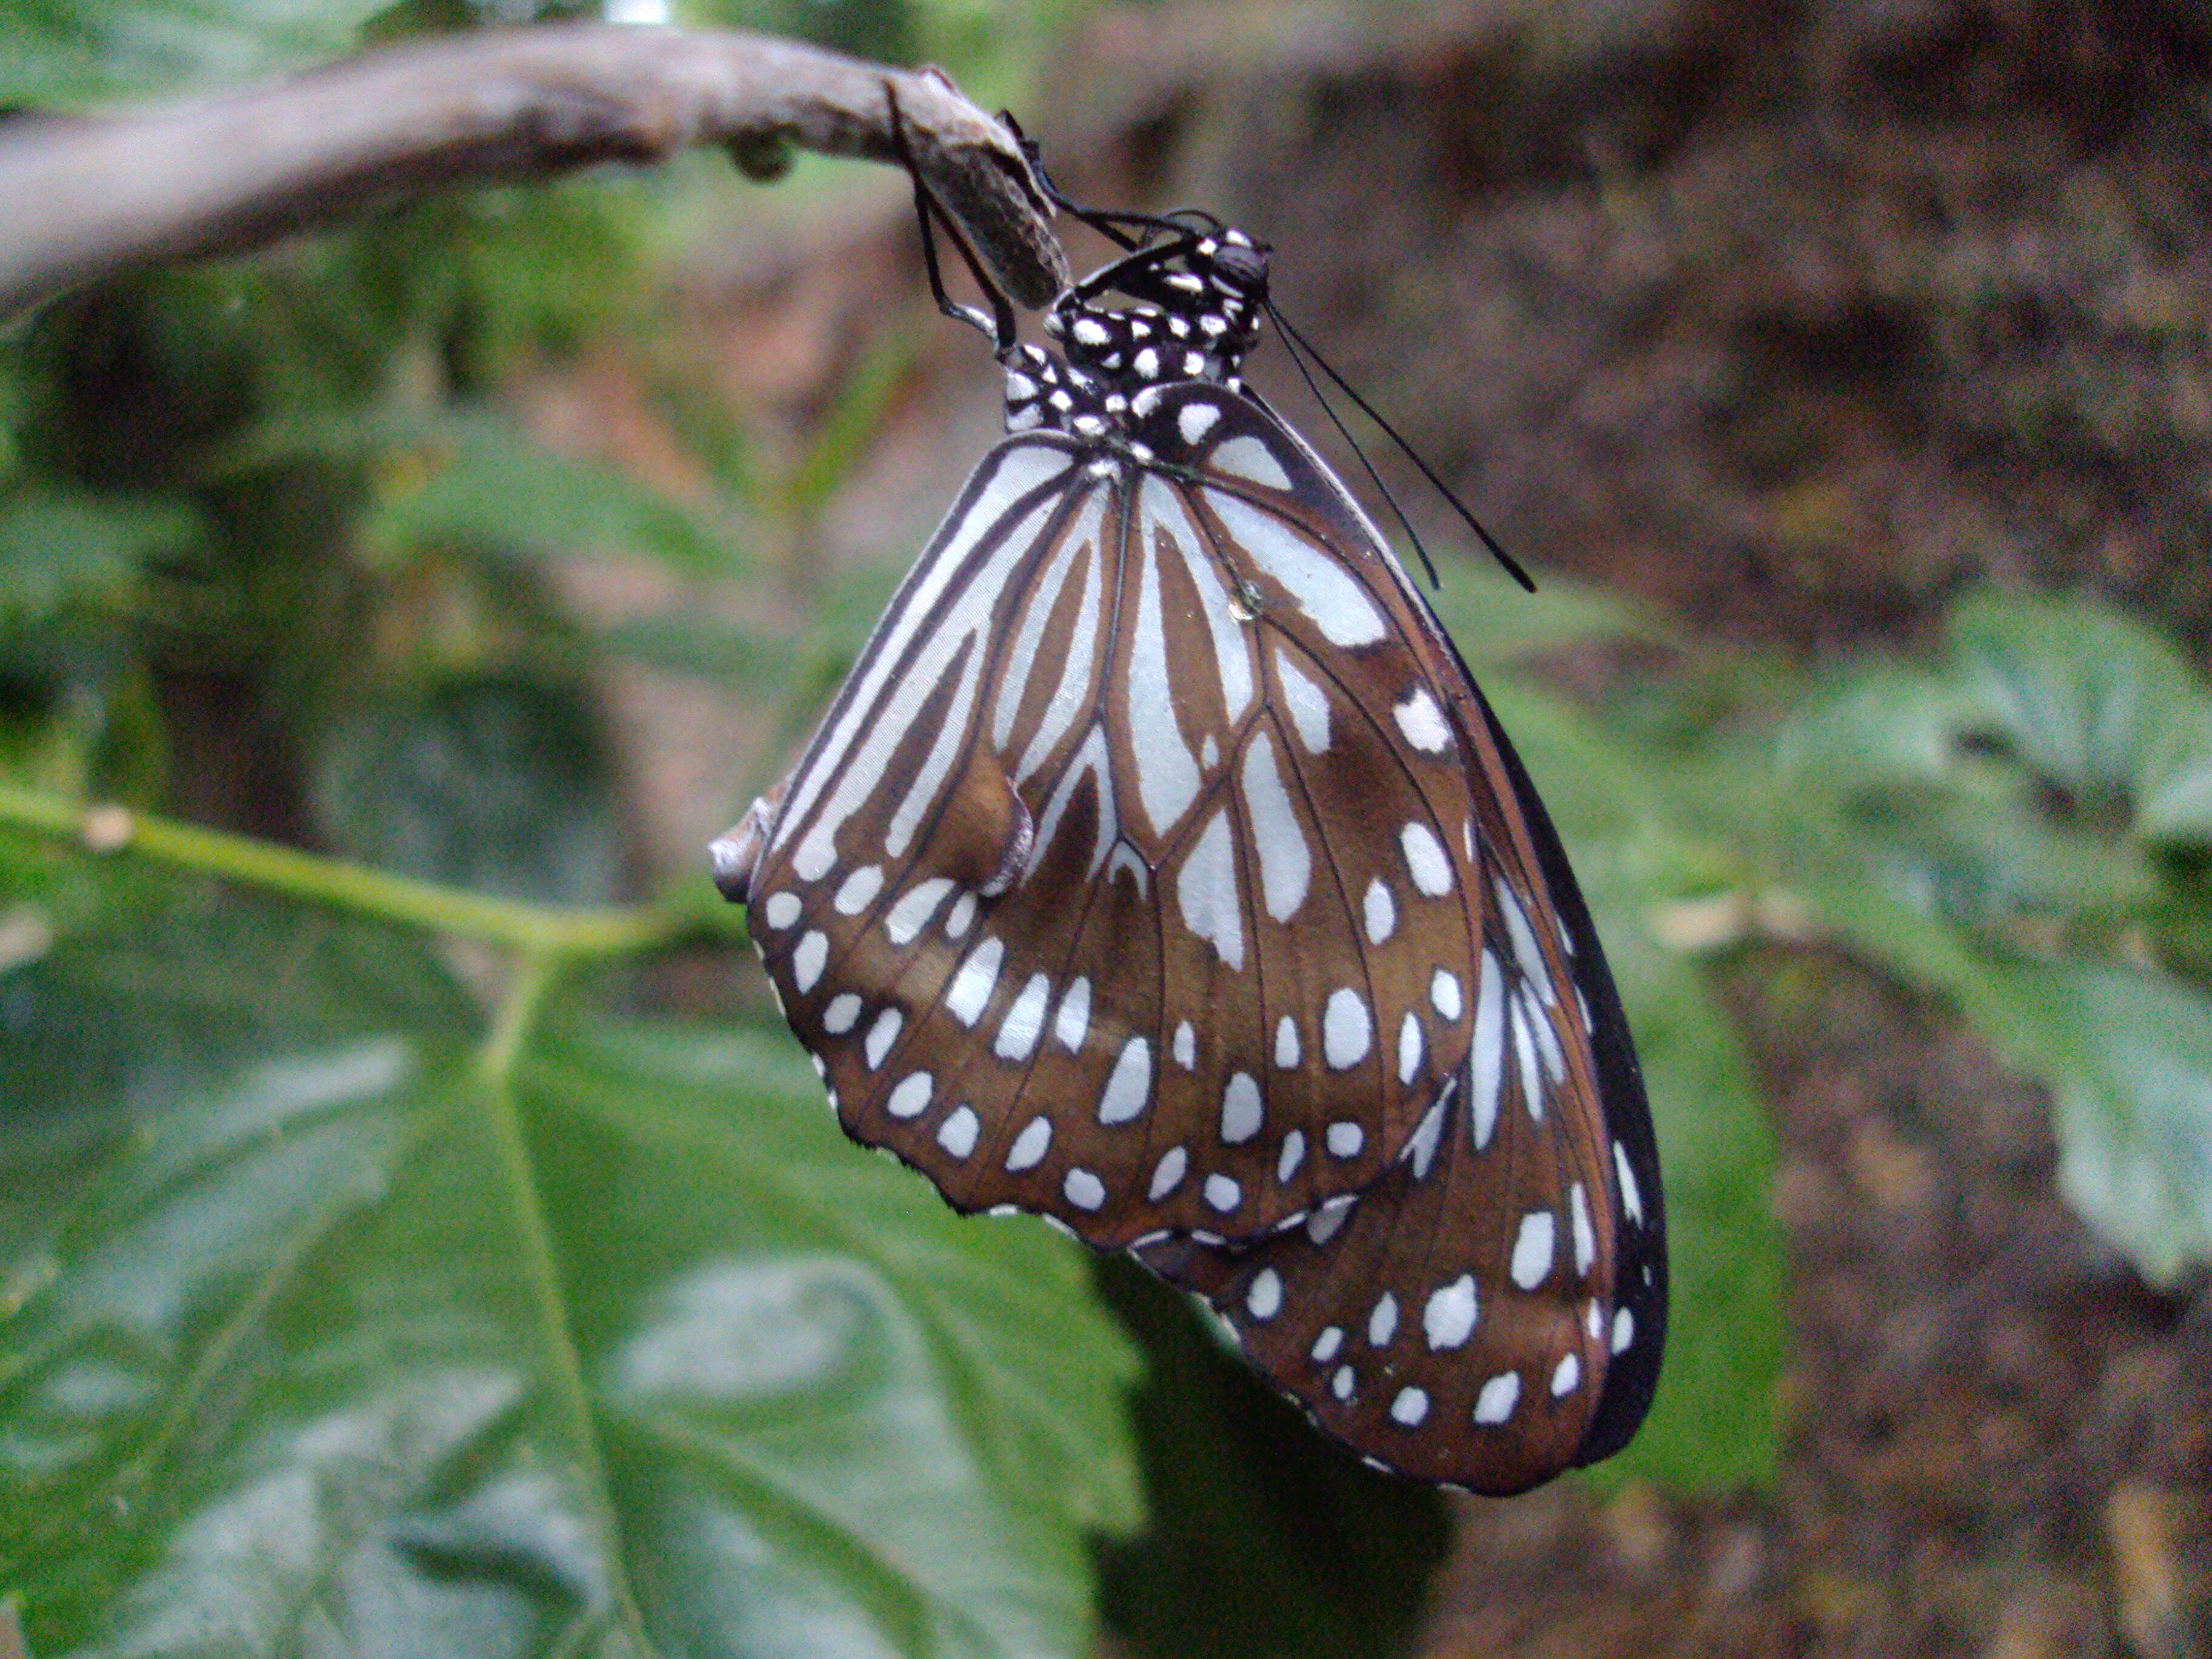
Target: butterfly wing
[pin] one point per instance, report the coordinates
(1493, 1310)
(1131, 879)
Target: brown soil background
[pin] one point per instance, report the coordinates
(1789, 321)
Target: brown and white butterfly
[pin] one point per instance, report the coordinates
(1159, 870)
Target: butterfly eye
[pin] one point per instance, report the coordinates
(1161, 870)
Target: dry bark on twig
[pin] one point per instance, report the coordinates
(82, 197)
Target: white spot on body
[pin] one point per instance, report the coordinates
(808, 961)
(884, 1033)
(1345, 1029)
(1083, 1189)
(1532, 1250)
(1130, 1086)
(957, 1134)
(1449, 1319)
(1028, 1147)
(1423, 722)
(1240, 1109)
(911, 1096)
(971, 987)
(1494, 1401)
(1426, 860)
(1090, 332)
(1024, 1022)
(780, 910)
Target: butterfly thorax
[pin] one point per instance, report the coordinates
(1196, 315)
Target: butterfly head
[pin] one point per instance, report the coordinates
(1197, 301)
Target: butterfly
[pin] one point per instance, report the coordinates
(1159, 870)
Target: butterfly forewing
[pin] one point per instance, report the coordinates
(1114, 888)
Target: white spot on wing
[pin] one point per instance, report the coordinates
(1323, 589)
(1186, 1046)
(843, 1013)
(911, 1095)
(1344, 1140)
(1286, 1043)
(1083, 1189)
(1449, 1319)
(1569, 1372)
(957, 1134)
(1382, 1322)
(1024, 1022)
(1232, 650)
(1240, 1109)
(1028, 1149)
(915, 908)
(809, 959)
(1409, 1049)
(971, 986)
(1294, 1152)
(1624, 1329)
(780, 910)
(884, 1033)
(1263, 1298)
(1525, 941)
(1131, 1084)
(1632, 1199)
(1426, 860)
(1167, 1174)
(1443, 994)
(1248, 457)
(1285, 861)
(1206, 891)
(1222, 1194)
(1381, 913)
(1307, 704)
(1487, 1052)
(1495, 1401)
(1411, 1405)
(1167, 772)
(1073, 1019)
(1326, 1345)
(1532, 1250)
(858, 890)
(1423, 722)
(1346, 1029)
(1585, 1237)
(1195, 421)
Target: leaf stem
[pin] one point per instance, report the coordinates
(537, 929)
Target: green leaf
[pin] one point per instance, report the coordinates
(2090, 699)
(64, 548)
(362, 1344)
(494, 782)
(2130, 1057)
(69, 52)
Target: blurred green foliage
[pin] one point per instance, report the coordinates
(350, 1298)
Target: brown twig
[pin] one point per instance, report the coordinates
(82, 197)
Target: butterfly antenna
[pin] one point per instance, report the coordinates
(1297, 358)
(1292, 337)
